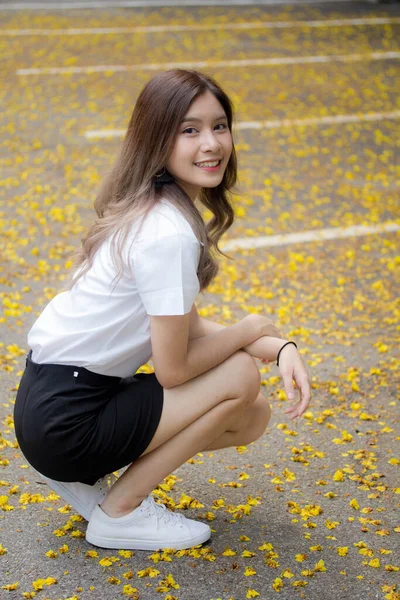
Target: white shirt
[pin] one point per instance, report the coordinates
(106, 329)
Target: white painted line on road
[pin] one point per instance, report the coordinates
(318, 120)
(113, 133)
(210, 27)
(104, 133)
(316, 235)
(150, 4)
(255, 62)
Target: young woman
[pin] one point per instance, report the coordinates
(81, 412)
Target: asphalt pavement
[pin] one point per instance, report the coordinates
(310, 510)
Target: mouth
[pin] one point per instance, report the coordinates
(210, 165)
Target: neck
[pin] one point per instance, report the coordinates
(191, 190)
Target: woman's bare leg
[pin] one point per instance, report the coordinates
(209, 406)
(185, 403)
(248, 428)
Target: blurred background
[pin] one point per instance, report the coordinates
(314, 246)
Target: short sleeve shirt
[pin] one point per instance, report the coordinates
(164, 263)
(105, 326)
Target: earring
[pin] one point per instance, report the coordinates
(163, 177)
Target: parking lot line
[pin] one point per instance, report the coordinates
(209, 27)
(151, 4)
(316, 235)
(255, 62)
(380, 116)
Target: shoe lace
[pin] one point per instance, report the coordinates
(162, 513)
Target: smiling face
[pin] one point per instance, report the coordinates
(202, 147)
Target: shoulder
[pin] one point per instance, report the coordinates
(164, 221)
(164, 235)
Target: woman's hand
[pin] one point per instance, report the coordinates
(264, 326)
(292, 368)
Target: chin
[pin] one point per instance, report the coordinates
(209, 187)
(214, 185)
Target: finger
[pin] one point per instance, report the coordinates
(305, 395)
(273, 331)
(288, 383)
(292, 412)
(303, 383)
(292, 408)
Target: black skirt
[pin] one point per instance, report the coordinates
(75, 425)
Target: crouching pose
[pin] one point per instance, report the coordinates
(82, 410)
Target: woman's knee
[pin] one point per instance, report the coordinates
(258, 417)
(263, 417)
(245, 375)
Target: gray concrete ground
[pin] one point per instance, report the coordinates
(311, 509)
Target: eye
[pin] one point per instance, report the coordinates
(189, 130)
(222, 126)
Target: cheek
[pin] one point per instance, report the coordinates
(181, 156)
(173, 161)
(228, 145)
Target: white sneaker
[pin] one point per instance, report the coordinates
(149, 527)
(83, 498)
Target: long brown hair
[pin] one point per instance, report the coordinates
(130, 190)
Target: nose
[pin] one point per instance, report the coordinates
(209, 142)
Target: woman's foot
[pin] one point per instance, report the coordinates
(149, 527)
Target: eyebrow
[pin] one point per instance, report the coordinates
(195, 119)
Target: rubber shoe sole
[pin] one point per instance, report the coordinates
(150, 526)
(137, 544)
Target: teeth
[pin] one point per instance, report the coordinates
(208, 164)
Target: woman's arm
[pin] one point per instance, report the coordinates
(290, 363)
(178, 359)
(265, 347)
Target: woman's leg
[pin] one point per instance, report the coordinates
(194, 415)
(248, 428)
